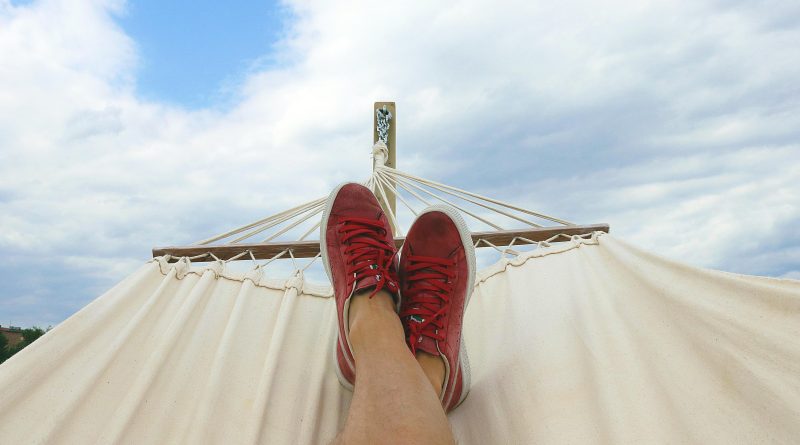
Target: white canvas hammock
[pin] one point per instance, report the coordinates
(584, 339)
(587, 341)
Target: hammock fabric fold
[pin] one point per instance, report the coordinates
(589, 341)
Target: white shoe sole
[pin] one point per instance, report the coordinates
(323, 248)
(469, 251)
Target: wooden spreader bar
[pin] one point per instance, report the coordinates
(308, 249)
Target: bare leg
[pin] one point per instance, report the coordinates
(433, 367)
(393, 401)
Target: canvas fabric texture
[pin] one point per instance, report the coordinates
(589, 341)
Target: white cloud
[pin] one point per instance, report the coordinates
(792, 275)
(675, 121)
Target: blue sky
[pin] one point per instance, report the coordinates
(128, 125)
(193, 53)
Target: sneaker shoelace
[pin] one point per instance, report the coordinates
(429, 288)
(367, 252)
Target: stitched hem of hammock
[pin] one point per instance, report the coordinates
(542, 250)
(184, 267)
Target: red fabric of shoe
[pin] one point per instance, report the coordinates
(359, 254)
(437, 274)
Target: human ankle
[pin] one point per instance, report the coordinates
(364, 303)
(366, 313)
(433, 366)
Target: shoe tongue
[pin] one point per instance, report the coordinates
(428, 345)
(423, 343)
(365, 283)
(371, 282)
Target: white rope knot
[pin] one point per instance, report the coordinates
(380, 154)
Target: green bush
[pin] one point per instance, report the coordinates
(28, 336)
(4, 352)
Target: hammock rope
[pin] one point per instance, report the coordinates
(286, 232)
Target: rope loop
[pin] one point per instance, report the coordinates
(380, 155)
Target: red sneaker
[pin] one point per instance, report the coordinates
(437, 273)
(359, 253)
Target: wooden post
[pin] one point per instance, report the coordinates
(392, 145)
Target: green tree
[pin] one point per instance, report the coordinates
(4, 349)
(28, 336)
